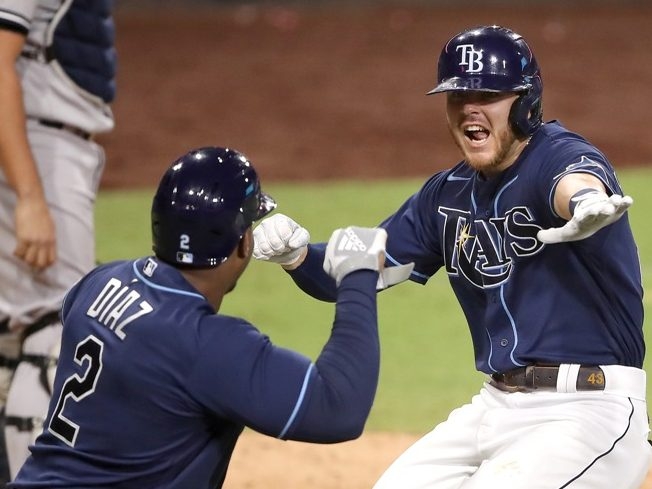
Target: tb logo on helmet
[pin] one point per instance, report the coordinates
(470, 58)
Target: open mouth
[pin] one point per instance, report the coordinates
(476, 134)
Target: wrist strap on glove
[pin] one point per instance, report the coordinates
(394, 275)
(579, 197)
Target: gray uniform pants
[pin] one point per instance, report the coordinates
(70, 168)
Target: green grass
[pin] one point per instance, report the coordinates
(427, 364)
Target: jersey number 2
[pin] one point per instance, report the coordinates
(77, 388)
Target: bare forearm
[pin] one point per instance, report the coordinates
(15, 156)
(568, 186)
(34, 226)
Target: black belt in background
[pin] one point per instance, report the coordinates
(544, 377)
(4, 326)
(23, 424)
(65, 127)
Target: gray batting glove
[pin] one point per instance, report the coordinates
(595, 211)
(354, 248)
(281, 240)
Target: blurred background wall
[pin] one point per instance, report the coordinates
(336, 89)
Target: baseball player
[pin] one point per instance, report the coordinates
(532, 231)
(154, 386)
(57, 65)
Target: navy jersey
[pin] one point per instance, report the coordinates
(153, 387)
(525, 302)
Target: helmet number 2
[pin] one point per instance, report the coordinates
(184, 242)
(88, 352)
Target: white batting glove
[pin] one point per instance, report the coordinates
(354, 248)
(595, 211)
(279, 239)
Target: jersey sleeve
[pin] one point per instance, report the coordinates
(16, 15)
(242, 376)
(412, 234)
(577, 157)
(411, 237)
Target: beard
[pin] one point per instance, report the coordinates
(506, 144)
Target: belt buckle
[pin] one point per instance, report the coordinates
(508, 388)
(502, 381)
(530, 378)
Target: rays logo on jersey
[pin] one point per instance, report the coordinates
(483, 251)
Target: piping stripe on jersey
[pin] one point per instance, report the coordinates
(395, 262)
(491, 351)
(500, 193)
(161, 287)
(513, 324)
(14, 18)
(502, 291)
(302, 395)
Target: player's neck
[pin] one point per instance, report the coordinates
(210, 283)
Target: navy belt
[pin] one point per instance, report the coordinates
(544, 378)
(65, 127)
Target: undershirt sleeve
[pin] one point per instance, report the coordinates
(242, 376)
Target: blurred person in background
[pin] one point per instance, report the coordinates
(57, 79)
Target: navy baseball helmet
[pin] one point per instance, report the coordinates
(204, 204)
(494, 59)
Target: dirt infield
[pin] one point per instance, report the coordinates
(261, 462)
(339, 93)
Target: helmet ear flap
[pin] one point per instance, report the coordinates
(526, 114)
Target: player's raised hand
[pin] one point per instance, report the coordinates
(594, 211)
(354, 248)
(279, 239)
(35, 233)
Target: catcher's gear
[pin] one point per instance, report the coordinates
(494, 59)
(354, 248)
(52, 365)
(593, 211)
(279, 239)
(204, 203)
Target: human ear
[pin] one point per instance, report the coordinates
(246, 244)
